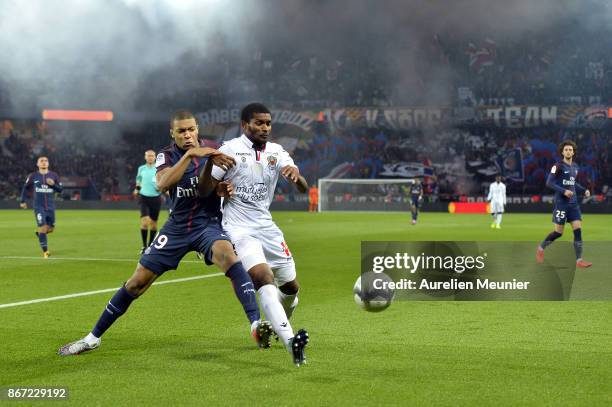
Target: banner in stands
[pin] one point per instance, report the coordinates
(510, 164)
(406, 170)
(522, 116)
(218, 122)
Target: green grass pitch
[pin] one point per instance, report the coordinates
(187, 342)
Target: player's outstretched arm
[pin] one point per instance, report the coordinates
(206, 182)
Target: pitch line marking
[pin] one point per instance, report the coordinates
(106, 290)
(80, 259)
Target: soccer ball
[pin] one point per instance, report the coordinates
(370, 298)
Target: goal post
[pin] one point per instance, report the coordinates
(341, 194)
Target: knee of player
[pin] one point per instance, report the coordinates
(290, 288)
(261, 275)
(135, 288)
(223, 254)
(139, 282)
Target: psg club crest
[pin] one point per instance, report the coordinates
(271, 162)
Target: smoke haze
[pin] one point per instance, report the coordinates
(96, 54)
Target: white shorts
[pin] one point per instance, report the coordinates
(497, 207)
(265, 245)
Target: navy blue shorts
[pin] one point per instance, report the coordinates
(563, 212)
(44, 217)
(172, 243)
(415, 202)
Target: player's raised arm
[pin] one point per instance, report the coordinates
(167, 177)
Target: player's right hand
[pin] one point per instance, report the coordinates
(568, 193)
(225, 189)
(23, 205)
(222, 160)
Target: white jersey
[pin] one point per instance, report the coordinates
(254, 177)
(497, 193)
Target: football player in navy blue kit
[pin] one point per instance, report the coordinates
(562, 179)
(416, 197)
(194, 225)
(45, 184)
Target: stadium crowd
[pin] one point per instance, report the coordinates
(456, 161)
(22, 142)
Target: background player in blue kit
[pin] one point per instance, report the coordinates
(45, 184)
(194, 225)
(416, 197)
(562, 179)
(149, 198)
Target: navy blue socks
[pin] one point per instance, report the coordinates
(115, 308)
(42, 239)
(245, 291)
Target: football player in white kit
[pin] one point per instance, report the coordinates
(248, 190)
(497, 197)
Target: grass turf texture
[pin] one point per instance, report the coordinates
(188, 343)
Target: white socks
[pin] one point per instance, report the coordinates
(91, 339)
(274, 312)
(289, 301)
(498, 218)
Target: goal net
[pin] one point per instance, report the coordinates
(364, 194)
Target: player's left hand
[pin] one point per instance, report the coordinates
(587, 193)
(50, 182)
(291, 173)
(225, 189)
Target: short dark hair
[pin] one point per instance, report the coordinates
(181, 115)
(568, 143)
(252, 108)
